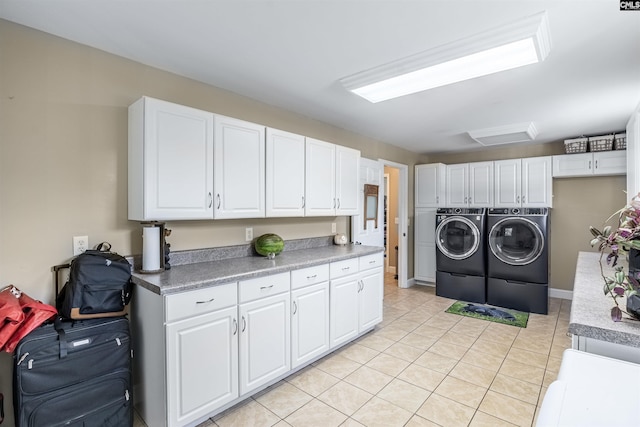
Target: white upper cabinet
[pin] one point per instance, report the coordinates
(284, 174)
(430, 185)
(633, 154)
(331, 179)
(170, 170)
(588, 164)
(469, 184)
(347, 170)
(523, 182)
(239, 169)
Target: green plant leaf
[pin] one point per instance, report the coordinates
(595, 231)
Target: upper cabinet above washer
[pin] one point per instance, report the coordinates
(523, 182)
(469, 185)
(170, 161)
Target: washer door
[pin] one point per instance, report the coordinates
(457, 237)
(516, 241)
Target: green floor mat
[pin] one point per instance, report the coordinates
(490, 313)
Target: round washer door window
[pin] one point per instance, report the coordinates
(516, 241)
(457, 237)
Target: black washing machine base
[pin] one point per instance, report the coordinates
(529, 297)
(461, 287)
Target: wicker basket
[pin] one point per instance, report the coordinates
(620, 141)
(577, 145)
(601, 143)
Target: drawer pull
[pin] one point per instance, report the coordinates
(312, 277)
(205, 302)
(345, 268)
(372, 262)
(266, 287)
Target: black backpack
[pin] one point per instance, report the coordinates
(99, 286)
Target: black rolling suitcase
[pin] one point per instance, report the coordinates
(74, 373)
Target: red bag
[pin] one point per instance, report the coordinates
(16, 325)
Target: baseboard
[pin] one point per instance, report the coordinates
(560, 293)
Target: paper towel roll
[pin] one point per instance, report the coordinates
(150, 248)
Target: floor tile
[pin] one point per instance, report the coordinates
(522, 371)
(436, 361)
(518, 389)
(381, 413)
(404, 352)
(473, 374)
(358, 353)
(445, 412)
(461, 391)
(283, 399)
(529, 357)
(458, 339)
(483, 360)
(314, 414)
(417, 421)
(313, 381)
(387, 364)
(418, 341)
(480, 419)
(369, 379)
(338, 365)
(404, 395)
(507, 408)
(449, 350)
(251, 414)
(491, 347)
(425, 378)
(376, 342)
(345, 397)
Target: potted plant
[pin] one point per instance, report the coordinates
(622, 241)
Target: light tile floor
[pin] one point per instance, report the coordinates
(420, 367)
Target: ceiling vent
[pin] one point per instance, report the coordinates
(520, 132)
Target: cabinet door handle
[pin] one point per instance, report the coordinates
(266, 287)
(589, 164)
(205, 302)
(210, 199)
(219, 200)
(596, 164)
(338, 203)
(334, 203)
(523, 199)
(437, 199)
(302, 201)
(517, 199)
(244, 324)
(235, 326)
(469, 200)
(295, 308)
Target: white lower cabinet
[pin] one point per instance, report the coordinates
(265, 332)
(200, 352)
(202, 364)
(425, 245)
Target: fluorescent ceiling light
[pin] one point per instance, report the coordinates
(520, 43)
(519, 132)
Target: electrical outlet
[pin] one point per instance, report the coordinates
(248, 234)
(333, 227)
(80, 244)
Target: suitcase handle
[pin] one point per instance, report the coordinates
(62, 336)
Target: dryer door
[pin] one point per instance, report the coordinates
(457, 237)
(516, 241)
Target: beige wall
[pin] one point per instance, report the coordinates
(63, 158)
(577, 204)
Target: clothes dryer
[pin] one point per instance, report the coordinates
(461, 253)
(518, 258)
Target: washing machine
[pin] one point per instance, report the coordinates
(461, 254)
(518, 258)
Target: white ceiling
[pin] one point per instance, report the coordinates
(292, 54)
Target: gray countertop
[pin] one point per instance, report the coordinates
(591, 308)
(188, 277)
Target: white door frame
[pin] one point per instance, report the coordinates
(403, 217)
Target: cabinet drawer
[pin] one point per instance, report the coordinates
(193, 303)
(344, 268)
(264, 286)
(309, 276)
(371, 261)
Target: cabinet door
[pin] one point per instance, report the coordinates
(370, 299)
(481, 184)
(567, 165)
(309, 323)
(320, 178)
(202, 365)
(425, 245)
(265, 341)
(239, 168)
(457, 185)
(170, 161)
(610, 162)
(347, 191)
(430, 185)
(285, 174)
(536, 182)
(344, 309)
(633, 153)
(507, 183)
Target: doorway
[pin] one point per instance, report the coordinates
(396, 213)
